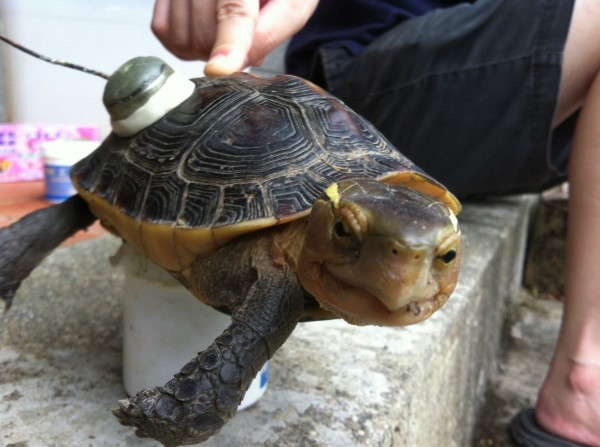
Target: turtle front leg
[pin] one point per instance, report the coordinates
(26, 242)
(205, 394)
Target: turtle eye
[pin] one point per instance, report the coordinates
(344, 236)
(341, 230)
(448, 256)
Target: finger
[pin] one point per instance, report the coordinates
(236, 20)
(278, 21)
(179, 28)
(160, 19)
(185, 27)
(202, 27)
(170, 24)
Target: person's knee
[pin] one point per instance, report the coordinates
(581, 62)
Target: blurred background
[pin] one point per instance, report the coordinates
(98, 34)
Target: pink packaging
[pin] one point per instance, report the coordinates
(20, 147)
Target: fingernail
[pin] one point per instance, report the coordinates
(224, 64)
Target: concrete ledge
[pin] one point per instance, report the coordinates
(331, 384)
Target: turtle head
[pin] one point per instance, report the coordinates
(381, 254)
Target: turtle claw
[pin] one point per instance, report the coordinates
(131, 410)
(126, 412)
(155, 414)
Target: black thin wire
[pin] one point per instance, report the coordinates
(54, 61)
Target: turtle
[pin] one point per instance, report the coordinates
(268, 199)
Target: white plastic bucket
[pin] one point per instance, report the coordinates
(59, 156)
(165, 327)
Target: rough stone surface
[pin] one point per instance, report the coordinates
(545, 265)
(529, 341)
(331, 384)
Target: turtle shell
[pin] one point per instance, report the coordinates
(240, 154)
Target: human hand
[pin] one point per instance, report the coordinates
(230, 34)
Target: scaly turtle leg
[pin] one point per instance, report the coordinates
(205, 394)
(26, 242)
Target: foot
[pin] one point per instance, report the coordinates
(159, 414)
(569, 403)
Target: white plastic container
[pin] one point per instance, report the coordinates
(165, 327)
(59, 156)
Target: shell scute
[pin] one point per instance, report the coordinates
(109, 177)
(101, 167)
(131, 190)
(157, 152)
(166, 200)
(200, 197)
(243, 200)
(244, 147)
(291, 196)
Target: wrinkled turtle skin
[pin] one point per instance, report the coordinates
(268, 199)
